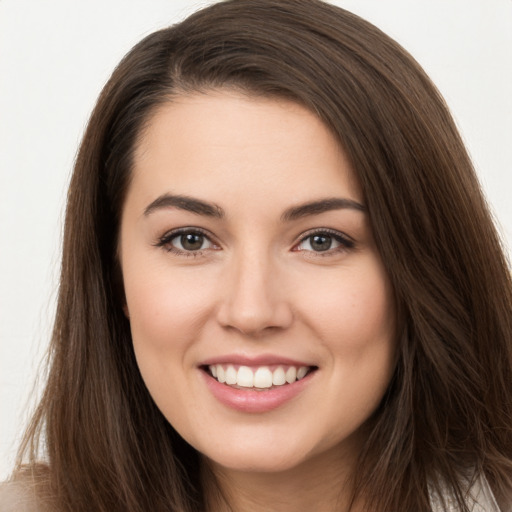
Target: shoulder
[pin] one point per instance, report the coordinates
(18, 496)
(25, 491)
(479, 497)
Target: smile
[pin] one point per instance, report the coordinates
(250, 397)
(258, 377)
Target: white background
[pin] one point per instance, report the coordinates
(55, 55)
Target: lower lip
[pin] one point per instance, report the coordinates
(251, 401)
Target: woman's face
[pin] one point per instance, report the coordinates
(247, 255)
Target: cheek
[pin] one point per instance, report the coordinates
(167, 316)
(356, 311)
(167, 311)
(356, 321)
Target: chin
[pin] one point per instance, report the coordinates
(265, 454)
(256, 462)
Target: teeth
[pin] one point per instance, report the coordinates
(278, 377)
(245, 377)
(262, 377)
(291, 375)
(221, 376)
(231, 375)
(301, 372)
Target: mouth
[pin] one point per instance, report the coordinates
(257, 378)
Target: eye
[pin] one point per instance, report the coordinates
(325, 241)
(190, 242)
(186, 241)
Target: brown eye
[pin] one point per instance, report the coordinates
(325, 242)
(320, 243)
(186, 241)
(191, 241)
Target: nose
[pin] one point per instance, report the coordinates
(254, 299)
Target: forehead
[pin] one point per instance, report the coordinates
(221, 143)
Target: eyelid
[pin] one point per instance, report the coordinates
(165, 240)
(346, 242)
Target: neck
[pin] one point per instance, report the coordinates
(321, 483)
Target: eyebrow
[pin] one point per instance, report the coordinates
(321, 206)
(200, 207)
(189, 204)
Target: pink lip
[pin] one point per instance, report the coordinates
(261, 360)
(252, 401)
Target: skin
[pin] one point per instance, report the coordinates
(257, 285)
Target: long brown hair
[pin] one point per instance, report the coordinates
(448, 408)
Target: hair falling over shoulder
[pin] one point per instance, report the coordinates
(448, 409)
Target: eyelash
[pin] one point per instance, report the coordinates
(166, 241)
(346, 243)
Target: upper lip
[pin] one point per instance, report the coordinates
(260, 360)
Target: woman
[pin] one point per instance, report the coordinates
(281, 287)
